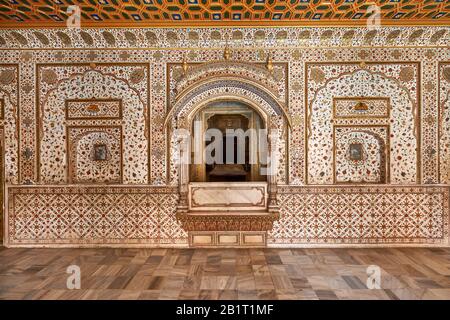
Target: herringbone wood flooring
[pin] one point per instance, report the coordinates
(407, 273)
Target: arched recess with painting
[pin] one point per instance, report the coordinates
(237, 195)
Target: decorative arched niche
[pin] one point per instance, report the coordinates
(63, 147)
(204, 84)
(400, 146)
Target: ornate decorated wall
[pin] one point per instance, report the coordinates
(363, 119)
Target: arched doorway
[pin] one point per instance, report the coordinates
(236, 157)
(235, 203)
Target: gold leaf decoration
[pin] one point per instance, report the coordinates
(137, 76)
(65, 39)
(41, 37)
(158, 120)
(19, 38)
(297, 120)
(278, 74)
(215, 35)
(109, 38)
(27, 87)
(27, 55)
(393, 36)
(446, 74)
(281, 35)
(438, 35)
(296, 86)
(86, 38)
(49, 76)
(7, 77)
(177, 73)
(317, 75)
(151, 37)
(368, 39)
(261, 54)
(360, 106)
(330, 54)
(193, 36)
(93, 108)
(192, 55)
(296, 55)
(406, 74)
(171, 37)
(348, 37)
(430, 120)
(237, 35)
(415, 35)
(304, 36)
(158, 55)
(131, 38)
(259, 35)
(429, 86)
(326, 35)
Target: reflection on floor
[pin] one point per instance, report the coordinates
(407, 273)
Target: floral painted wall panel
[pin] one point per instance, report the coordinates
(9, 106)
(343, 87)
(398, 82)
(425, 45)
(360, 154)
(59, 85)
(95, 154)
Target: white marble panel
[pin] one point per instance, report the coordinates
(227, 196)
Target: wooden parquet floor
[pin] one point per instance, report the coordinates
(406, 273)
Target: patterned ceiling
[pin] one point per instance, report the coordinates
(109, 13)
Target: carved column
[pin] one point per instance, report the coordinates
(183, 140)
(273, 140)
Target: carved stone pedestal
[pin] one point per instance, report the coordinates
(228, 214)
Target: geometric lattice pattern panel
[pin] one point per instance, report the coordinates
(365, 215)
(146, 215)
(93, 216)
(214, 12)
